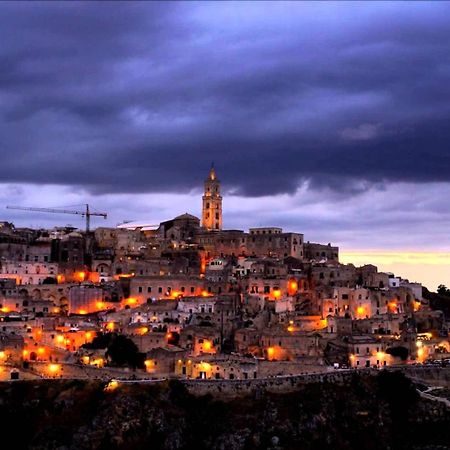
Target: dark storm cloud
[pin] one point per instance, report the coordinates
(121, 97)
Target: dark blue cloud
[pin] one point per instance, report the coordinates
(141, 97)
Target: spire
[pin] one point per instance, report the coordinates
(212, 172)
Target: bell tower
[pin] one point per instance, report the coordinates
(212, 203)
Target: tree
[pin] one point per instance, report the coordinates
(122, 351)
(100, 341)
(443, 290)
(400, 351)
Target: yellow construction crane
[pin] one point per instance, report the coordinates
(86, 213)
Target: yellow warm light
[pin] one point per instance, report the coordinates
(417, 305)
(277, 293)
(393, 305)
(148, 363)
(60, 338)
(97, 362)
(169, 335)
(100, 305)
(82, 311)
(4, 309)
(179, 361)
(206, 366)
(41, 350)
(88, 334)
(110, 326)
(352, 357)
(143, 330)
(25, 353)
(126, 275)
(419, 344)
(360, 310)
(53, 368)
(205, 294)
(420, 352)
(56, 310)
(112, 385)
(290, 328)
(80, 275)
(2, 355)
(270, 352)
(207, 345)
(381, 355)
(175, 294)
(85, 359)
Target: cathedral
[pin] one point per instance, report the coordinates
(212, 203)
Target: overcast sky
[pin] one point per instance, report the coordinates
(330, 119)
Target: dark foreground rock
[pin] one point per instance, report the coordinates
(368, 412)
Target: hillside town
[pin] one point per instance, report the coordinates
(188, 299)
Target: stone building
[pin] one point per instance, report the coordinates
(149, 288)
(29, 272)
(320, 252)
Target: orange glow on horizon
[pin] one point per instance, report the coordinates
(427, 267)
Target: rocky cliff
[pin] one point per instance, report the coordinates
(367, 412)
